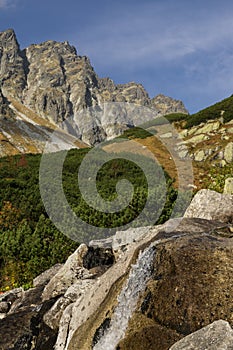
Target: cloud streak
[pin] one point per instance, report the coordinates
(180, 48)
(151, 39)
(193, 41)
(5, 4)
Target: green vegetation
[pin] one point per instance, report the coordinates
(29, 241)
(176, 117)
(142, 132)
(168, 118)
(216, 177)
(133, 133)
(222, 109)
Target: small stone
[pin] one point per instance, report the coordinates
(228, 153)
(199, 156)
(228, 188)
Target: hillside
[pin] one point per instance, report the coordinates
(106, 241)
(46, 83)
(205, 137)
(22, 211)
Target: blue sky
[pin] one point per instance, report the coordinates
(183, 49)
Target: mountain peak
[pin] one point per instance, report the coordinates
(8, 37)
(51, 45)
(52, 81)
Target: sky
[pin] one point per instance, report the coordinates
(180, 48)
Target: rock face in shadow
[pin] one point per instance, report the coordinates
(23, 326)
(30, 319)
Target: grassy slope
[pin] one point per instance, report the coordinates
(23, 218)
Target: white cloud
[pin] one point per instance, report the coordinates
(6, 4)
(191, 40)
(152, 36)
(3, 3)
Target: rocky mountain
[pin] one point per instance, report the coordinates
(145, 288)
(158, 288)
(47, 83)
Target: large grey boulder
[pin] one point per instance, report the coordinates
(211, 205)
(216, 336)
(76, 291)
(69, 274)
(124, 238)
(46, 276)
(190, 287)
(192, 261)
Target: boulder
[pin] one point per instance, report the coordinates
(199, 156)
(228, 187)
(75, 292)
(211, 205)
(124, 238)
(68, 274)
(23, 326)
(216, 336)
(190, 287)
(12, 295)
(228, 153)
(46, 276)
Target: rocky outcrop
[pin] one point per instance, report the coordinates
(13, 65)
(166, 105)
(211, 205)
(210, 141)
(30, 319)
(52, 81)
(23, 326)
(218, 335)
(159, 285)
(193, 258)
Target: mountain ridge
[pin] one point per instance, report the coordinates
(53, 81)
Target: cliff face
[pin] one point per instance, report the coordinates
(51, 80)
(13, 65)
